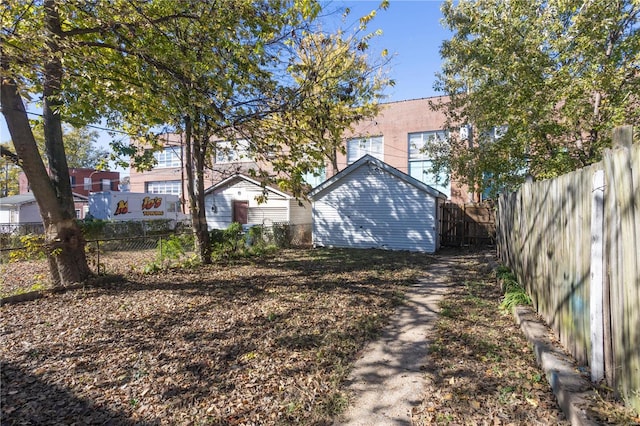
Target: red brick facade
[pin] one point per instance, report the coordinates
(97, 181)
(395, 122)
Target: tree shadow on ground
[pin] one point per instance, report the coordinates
(53, 405)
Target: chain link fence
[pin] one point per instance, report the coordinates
(24, 268)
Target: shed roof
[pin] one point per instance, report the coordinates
(368, 159)
(20, 199)
(17, 200)
(240, 177)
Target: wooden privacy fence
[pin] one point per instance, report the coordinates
(573, 242)
(470, 224)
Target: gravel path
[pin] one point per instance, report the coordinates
(388, 380)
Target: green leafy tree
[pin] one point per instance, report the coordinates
(72, 54)
(232, 73)
(80, 146)
(339, 86)
(540, 83)
(191, 65)
(225, 71)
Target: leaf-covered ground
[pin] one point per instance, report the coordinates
(482, 370)
(243, 343)
(265, 342)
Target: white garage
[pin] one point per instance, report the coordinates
(373, 205)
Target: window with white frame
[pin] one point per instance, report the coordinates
(359, 147)
(87, 184)
(168, 157)
(419, 142)
(420, 162)
(232, 151)
(164, 187)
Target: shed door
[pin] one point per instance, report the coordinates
(240, 211)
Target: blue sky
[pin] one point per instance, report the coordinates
(411, 32)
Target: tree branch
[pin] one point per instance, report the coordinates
(11, 156)
(111, 26)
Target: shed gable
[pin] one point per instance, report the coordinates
(369, 207)
(220, 199)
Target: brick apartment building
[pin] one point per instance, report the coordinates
(396, 136)
(83, 181)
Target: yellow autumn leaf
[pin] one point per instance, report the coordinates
(532, 401)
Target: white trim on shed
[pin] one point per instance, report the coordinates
(278, 207)
(373, 205)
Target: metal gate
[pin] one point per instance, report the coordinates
(471, 224)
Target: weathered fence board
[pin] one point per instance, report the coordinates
(621, 226)
(467, 225)
(544, 236)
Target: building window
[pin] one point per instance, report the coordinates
(420, 162)
(359, 147)
(231, 152)
(105, 184)
(314, 179)
(168, 157)
(164, 187)
(87, 184)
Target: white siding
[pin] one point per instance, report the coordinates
(371, 208)
(275, 209)
(29, 213)
(299, 214)
(5, 215)
(267, 215)
(222, 217)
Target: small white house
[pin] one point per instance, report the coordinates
(235, 199)
(23, 208)
(17, 209)
(373, 205)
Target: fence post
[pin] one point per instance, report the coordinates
(597, 277)
(98, 255)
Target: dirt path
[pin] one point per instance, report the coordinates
(387, 382)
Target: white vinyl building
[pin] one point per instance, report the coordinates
(373, 205)
(235, 199)
(21, 208)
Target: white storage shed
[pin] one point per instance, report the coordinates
(235, 199)
(373, 205)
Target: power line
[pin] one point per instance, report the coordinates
(91, 126)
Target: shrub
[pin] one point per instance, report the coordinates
(234, 242)
(172, 253)
(226, 243)
(32, 249)
(92, 229)
(514, 293)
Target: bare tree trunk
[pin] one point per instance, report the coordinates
(67, 260)
(195, 187)
(64, 240)
(202, 230)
